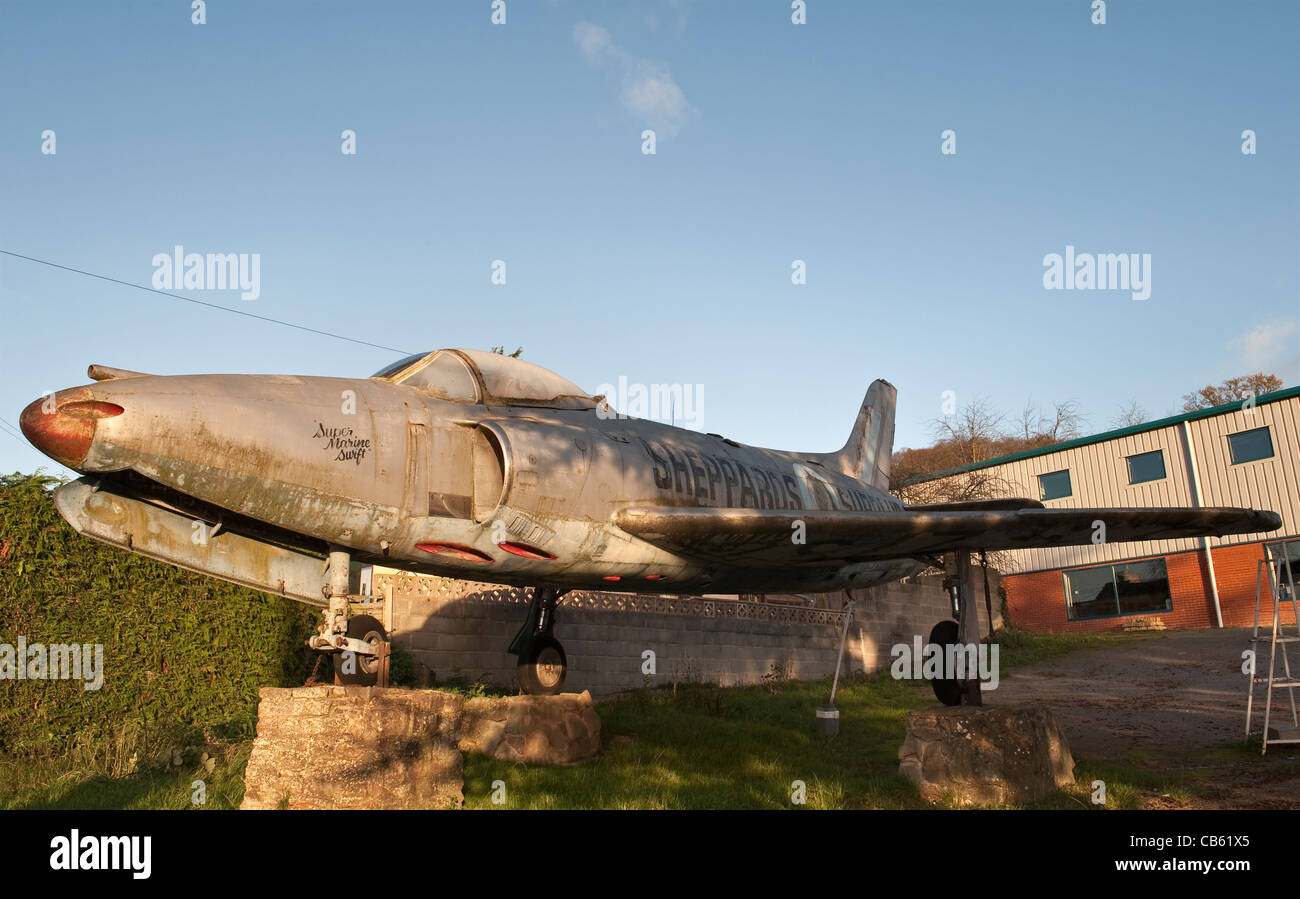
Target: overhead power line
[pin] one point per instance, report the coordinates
(264, 318)
(13, 432)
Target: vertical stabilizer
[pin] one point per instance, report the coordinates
(866, 454)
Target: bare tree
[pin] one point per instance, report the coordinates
(1029, 422)
(971, 435)
(1033, 429)
(1130, 415)
(1066, 422)
(975, 434)
(972, 431)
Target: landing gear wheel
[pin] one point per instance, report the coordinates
(542, 666)
(946, 690)
(365, 671)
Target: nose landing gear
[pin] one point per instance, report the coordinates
(359, 642)
(364, 668)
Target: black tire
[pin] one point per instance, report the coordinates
(542, 666)
(366, 673)
(946, 690)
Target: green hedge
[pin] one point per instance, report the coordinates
(184, 655)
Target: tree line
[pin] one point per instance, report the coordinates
(978, 432)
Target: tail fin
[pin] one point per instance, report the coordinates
(866, 455)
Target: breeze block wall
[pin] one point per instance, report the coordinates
(455, 628)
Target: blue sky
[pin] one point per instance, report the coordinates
(776, 142)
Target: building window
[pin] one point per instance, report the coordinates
(1146, 467)
(1128, 588)
(1288, 551)
(1054, 484)
(1248, 446)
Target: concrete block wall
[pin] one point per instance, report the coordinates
(891, 614)
(460, 628)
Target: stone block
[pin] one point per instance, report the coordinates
(982, 755)
(551, 730)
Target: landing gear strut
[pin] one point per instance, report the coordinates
(542, 663)
(360, 643)
(964, 630)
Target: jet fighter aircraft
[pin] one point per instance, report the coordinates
(465, 463)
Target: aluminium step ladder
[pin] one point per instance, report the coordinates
(1270, 573)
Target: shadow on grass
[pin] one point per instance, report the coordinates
(705, 747)
(68, 783)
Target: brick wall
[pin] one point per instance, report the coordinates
(1037, 600)
(1234, 571)
(461, 628)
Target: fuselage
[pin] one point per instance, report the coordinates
(509, 493)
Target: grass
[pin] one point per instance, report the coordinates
(701, 746)
(1019, 648)
(118, 781)
(471, 689)
(688, 746)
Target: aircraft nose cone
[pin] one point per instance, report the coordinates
(63, 426)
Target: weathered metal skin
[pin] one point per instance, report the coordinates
(380, 468)
(469, 464)
(102, 513)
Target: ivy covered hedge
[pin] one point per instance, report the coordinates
(183, 657)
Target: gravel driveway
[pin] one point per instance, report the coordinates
(1176, 691)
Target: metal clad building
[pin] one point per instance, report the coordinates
(1232, 455)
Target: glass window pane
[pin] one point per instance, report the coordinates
(447, 377)
(1247, 446)
(1146, 467)
(1090, 592)
(1143, 587)
(1054, 485)
(1290, 551)
(389, 370)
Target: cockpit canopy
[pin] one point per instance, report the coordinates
(477, 376)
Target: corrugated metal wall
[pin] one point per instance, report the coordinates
(1267, 484)
(1099, 478)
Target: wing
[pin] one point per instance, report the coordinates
(765, 537)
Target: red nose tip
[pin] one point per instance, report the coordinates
(63, 426)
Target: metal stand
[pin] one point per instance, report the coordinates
(1270, 572)
(828, 717)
